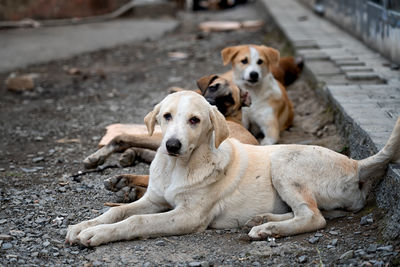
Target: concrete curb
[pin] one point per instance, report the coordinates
(343, 67)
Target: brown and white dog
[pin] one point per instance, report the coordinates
(271, 110)
(201, 178)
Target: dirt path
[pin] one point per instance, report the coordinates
(45, 134)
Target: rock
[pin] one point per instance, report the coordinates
(20, 83)
(302, 259)
(37, 159)
(160, 243)
(313, 240)
(334, 242)
(372, 248)
(361, 253)
(34, 169)
(194, 264)
(62, 189)
(318, 235)
(7, 245)
(17, 233)
(334, 232)
(3, 221)
(386, 248)
(347, 255)
(368, 219)
(46, 244)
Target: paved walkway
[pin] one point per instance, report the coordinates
(22, 47)
(357, 80)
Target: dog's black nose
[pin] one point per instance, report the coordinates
(173, 145)
(253, 76)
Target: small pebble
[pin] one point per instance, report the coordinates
(386, 248)
(368, 219)
(7, 245)
(302, 259)
(160, 243)
(372, 248)
(37, 159)
(333, 232)
(313, 240)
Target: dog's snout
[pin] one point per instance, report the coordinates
(173, 145)
(254, 76)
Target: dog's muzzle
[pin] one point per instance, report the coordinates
(253, 77)
(173, 146)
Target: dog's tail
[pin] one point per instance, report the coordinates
(288, 70)
(375, 166)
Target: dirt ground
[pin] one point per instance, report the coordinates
(46, 133)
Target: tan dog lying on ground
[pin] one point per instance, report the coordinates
(252, 69)
(200, 179)
(138, 145)
(141, 142)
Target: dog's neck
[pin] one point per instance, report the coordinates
(235, 116)
(207, 156)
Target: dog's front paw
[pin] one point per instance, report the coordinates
(74, 231)
(259, 232)
(97, 235)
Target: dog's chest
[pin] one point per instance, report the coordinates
(175, 186)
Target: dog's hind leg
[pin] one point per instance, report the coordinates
(129, 187)
(119, 144)
(133, 154)
(268, 217)
(307, 217)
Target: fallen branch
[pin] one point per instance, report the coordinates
(98, 169)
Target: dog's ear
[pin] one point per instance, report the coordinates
(205, 81)
(229, 53)
(271, 54)
(218, 121)
(245, 99)
(150, 119)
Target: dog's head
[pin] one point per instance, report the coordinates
(187, 121)
(224, 94)
(250, 63)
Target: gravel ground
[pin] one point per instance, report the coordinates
(47, 132)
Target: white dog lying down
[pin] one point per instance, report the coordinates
(198, 180)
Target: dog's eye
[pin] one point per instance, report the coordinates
(214, 87)
(244, 61)
(167, 116)
(259, 62)
(194, 120)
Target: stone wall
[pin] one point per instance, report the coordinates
(378, 25)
